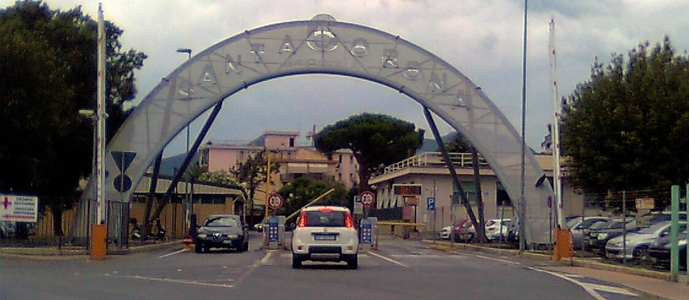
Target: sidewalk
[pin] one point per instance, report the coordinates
(67, 253)
(649, 284)
(646, 287)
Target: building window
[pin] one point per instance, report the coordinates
(339, 158)
(501, 196)
(291, 142)
(469, 190)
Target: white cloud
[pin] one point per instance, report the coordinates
(481, 38)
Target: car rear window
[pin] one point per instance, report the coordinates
(324, 219)
(222, 222)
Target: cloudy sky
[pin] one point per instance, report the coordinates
(481, 38)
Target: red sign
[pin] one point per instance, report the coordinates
(275, 201)
(367, 198)
(187, 240)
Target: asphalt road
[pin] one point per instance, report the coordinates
(400, 269)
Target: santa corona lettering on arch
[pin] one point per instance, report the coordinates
(323, 45)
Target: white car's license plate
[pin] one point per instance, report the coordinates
(324, 237)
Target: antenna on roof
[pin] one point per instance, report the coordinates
(311, 134)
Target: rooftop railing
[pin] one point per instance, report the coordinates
(434, 160)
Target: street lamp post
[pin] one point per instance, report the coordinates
(187, 208)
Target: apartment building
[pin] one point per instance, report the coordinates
(294, 160)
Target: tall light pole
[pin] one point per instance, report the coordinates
(522, 202)
(187, 208)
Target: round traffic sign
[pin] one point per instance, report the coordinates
(187, 240)
(367, 198)
(275, 201)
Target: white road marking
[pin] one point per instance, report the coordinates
(415, 256)
(173, 253)
(388, 259)
(251, 269)
(590, 287)
(172, 280)
(497, 259)
(265, 258)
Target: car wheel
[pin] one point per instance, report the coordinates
(207, 249)
(246, 247)
(296, 262)
(198, 248)
(640, 254)
(353, 263)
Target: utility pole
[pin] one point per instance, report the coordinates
(522, 202)
(188, 200)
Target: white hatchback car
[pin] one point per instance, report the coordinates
(325, 233)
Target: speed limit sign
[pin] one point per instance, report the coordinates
(275, 201)
(367, 198)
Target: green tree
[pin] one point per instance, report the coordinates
(375, 140)
(252, 172)
(48, 67)
(303, 190)
(457, 144)
(626, 128)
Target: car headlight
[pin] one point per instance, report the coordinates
(682, 242)
(202, 235)
(602, 236)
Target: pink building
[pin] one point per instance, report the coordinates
(295, 160)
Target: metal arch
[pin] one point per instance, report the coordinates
(322, 46)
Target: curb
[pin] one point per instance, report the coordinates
(577, 262)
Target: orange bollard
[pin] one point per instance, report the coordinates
(98, 245)
(563, 245)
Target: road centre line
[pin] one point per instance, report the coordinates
(253, 267)
(265, 258)
(173, 253)
(388, 259)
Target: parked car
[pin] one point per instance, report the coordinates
(598, 237)
(659, 251)
(637, 243)
(497, 229)
(659, 216)
(445, 233)
(222, 231)
(7, 229)
(578, 225)
(463, 231)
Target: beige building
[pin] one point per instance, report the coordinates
(429, 171)
(294, 160)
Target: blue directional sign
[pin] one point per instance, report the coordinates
(431, 203)
(366, 237)
(272, 232)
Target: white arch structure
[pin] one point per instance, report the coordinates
(323, 46)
